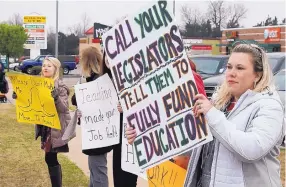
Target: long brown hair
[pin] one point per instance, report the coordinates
(91, 61)
(260, 64)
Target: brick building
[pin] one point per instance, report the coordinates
(271, 38)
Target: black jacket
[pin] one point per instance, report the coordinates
(3, 83)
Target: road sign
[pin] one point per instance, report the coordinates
(34, 19)
(35, 27)
(37, 36)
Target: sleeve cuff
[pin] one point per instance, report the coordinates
(214, 116)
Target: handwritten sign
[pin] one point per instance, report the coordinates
(173, 173)
(129, 162)
(155, 84)
(167, 174)
(34, 103)
(97, 100)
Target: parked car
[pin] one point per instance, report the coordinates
(4, 61)
(280, 84)
(32, 66)
(14, 66)
(276, 62)
(22, 58)
(76, 59)
(210, 65)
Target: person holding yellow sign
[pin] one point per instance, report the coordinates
(51, 139)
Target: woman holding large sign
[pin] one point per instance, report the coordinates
(51, 139)
(119, 175)
(246, 120)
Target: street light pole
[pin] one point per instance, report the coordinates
(174, 7)
(57, 30)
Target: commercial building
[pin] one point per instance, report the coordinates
(271, 38)
(201, 46)
(193, 46)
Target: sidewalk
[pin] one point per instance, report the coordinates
(80, 159)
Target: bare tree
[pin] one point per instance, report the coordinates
(217, 13)
(80, 28)
(191, 16)
(76, 29)
(15, 19)
(283, 21)
(85, 21)
(237, 13)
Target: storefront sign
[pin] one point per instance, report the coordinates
(192, 41)
(231, 34)
(201, 47)
(272, 34)
(198, 47)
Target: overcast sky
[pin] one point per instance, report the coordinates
(106, 12)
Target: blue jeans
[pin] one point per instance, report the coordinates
(98, 170)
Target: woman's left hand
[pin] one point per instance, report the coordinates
(79, 114)
(55, 94)
(202, 105)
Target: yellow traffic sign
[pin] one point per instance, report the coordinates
(35, 19)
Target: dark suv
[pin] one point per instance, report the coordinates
(210, 66)
(276, 61)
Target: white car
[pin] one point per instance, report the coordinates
(14, 66)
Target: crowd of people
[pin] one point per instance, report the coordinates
(245, 117)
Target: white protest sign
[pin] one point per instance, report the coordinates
(155, 84)
(129, 162)
(100, 121)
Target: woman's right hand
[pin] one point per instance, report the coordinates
(14, 95)
(79, 114)
(131, 134)
(119, 107)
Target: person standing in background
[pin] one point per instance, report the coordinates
(92, 68)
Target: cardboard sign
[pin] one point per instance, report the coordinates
(167, 174)
(155, 84)
(129, 162)
(34, 103)
(100, 121)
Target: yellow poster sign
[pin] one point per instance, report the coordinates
(34, 19)
(166, 174)
(34, 103)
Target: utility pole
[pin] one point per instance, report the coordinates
(174, 7)
(57, 30)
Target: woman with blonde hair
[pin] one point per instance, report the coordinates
(51, 139)
(91, 63)
(246, 120)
